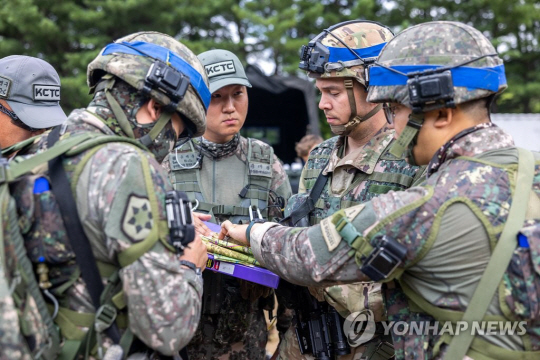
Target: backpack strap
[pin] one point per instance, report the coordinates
(500, 258)
(18, 146)
(80, 243)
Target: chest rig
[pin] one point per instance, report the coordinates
(187, 174)
(399, 176)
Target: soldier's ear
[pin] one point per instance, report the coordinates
(443, 118)
(154, 109)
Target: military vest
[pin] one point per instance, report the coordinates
(390, 173)
(244, 184)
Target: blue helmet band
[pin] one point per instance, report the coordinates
(487, 78)
(344, 54)
(165, 55)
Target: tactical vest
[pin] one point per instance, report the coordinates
(49, 249)
(399, 176)
(186, 165)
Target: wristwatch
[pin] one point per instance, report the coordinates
(248, 230)
(192, 266)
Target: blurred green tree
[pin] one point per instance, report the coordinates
(70, 33)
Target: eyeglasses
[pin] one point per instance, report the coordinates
(390, 113)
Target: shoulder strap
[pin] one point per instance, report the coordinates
(309, 204)
(20, 145)
(79, 242)
(500, 259)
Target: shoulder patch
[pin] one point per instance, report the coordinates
(137, 221)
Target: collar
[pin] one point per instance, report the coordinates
(365, 158)
(218, 151)
(471, 142)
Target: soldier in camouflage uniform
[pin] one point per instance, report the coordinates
(357, 161)
(23, 106)
(119, 191)
(436, 239)
(237, 178)
(29, 101)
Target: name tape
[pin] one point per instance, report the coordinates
(220, 68)
(46, 93)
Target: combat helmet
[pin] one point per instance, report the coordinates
(162, 68)
(434, 65)
(346, 50)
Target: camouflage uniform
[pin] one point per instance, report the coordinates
(119, 191)
(11, 345)
(449, 225)
(456, 189)
(232, 325)
(354, 179)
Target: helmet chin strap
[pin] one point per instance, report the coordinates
(355, 119)
(163, 120)
(408, 138)
(123, 121)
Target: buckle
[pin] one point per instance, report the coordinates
(105, 317)
(251, 213)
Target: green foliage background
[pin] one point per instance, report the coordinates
(70, 33)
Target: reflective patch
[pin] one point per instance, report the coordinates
(137, 221)
(260, 169)
(220, 68)
(5, 85)
(330, 234)
(46, 92)
(353, 212)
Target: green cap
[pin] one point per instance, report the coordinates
(223, 68)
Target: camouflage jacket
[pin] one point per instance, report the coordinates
(448, 226)
(354, 179)
(163, 299)
(232, 322)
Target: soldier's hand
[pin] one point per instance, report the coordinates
(200, 227)
(195, 252)
(235, 231)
